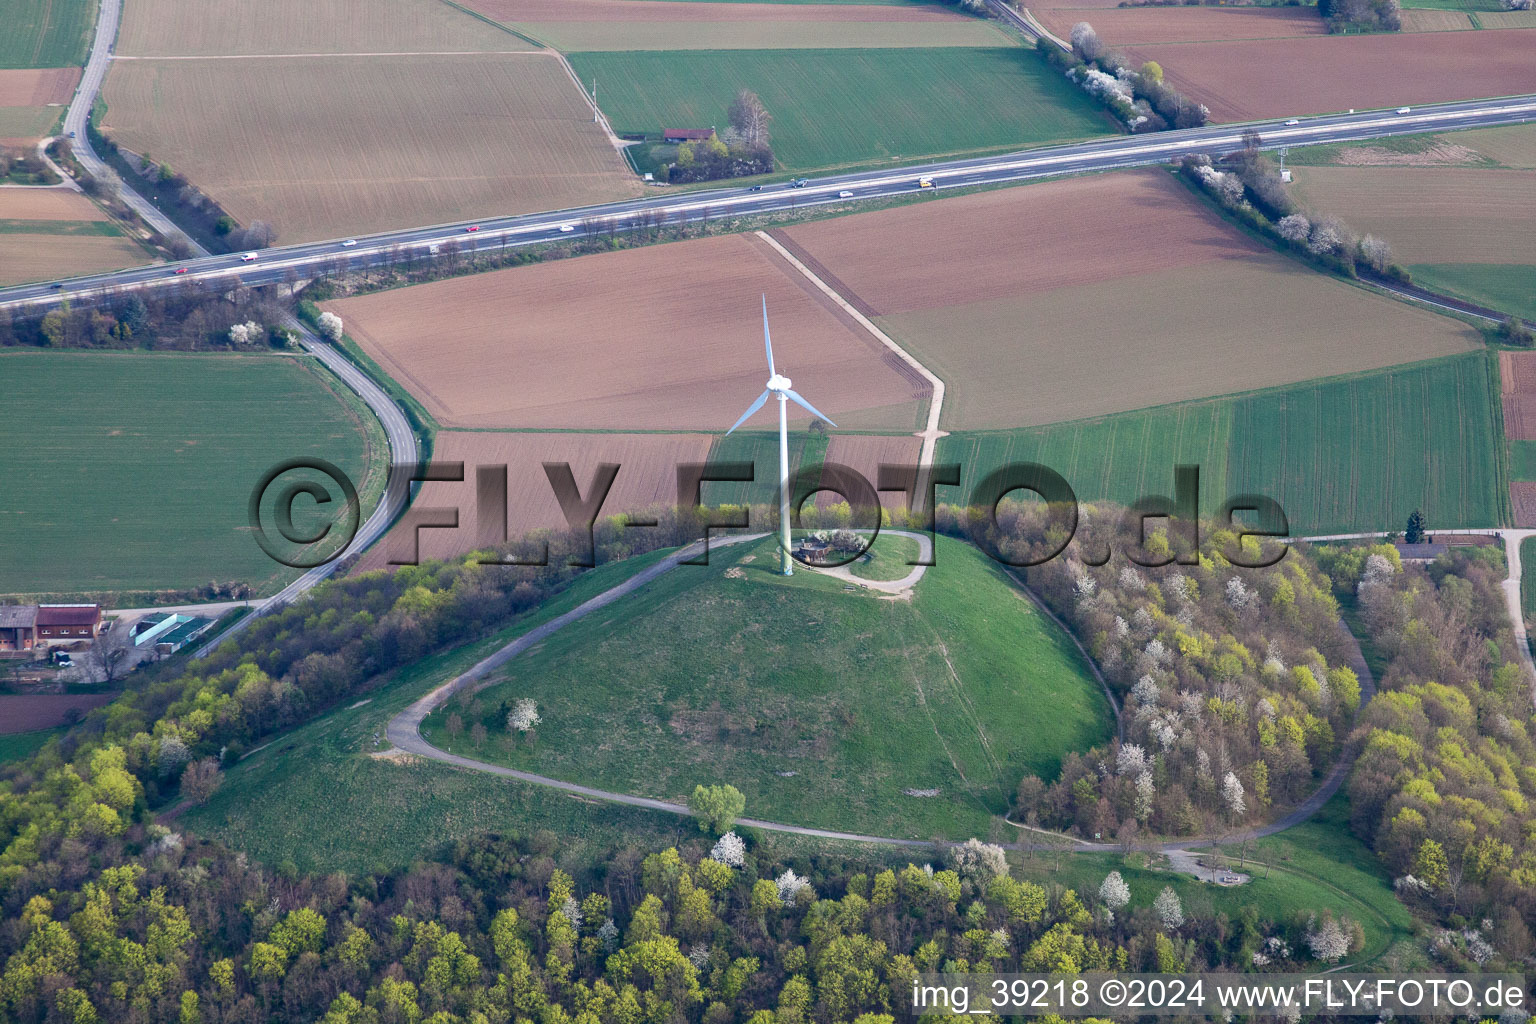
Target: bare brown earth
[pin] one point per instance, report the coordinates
(647, 478)
(865, 453)
(1432, 214)
(668, 337)
(1017, 242)
(330, 147)
(30, 711)
(1250, 79)
(1517, 372)
(1522, 496)
(1127, 26)
(37, 87)
(46, 204)
(688, 10)
(1091, 296)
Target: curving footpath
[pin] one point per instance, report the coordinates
(404, 734)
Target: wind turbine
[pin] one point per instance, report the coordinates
(779, 387)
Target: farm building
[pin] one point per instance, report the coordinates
(64, 623)
(169, 632)
(686, 134)
(18, 627)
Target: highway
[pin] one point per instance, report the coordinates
(282, 263)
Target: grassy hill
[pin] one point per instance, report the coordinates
(823, 706)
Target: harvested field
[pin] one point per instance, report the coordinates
(1096, 229)
(324, 148)
(47, 204)
(845, 108)
(1512, 145)
(216, 27)
(1127, 26)
(45, 256)
(666, 337)
(25, 712)
(1435, 21)
(689, 10)
(24, 126)
(1508, 19)
(37, 87)
(1251, 79)
(961, 285)
(647, 478)
(789, 34)
(1431, 215)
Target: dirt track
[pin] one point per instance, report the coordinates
(666, 337)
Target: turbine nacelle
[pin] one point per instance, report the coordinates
(779, 383)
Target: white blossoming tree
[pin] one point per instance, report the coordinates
(729, 850)
(1114, 892)
(1232, 794)
(1169, 909)
(524, 715)
(791, 886)
(1131, 759)
(978, 860)
(1329, 941)
(330, 326)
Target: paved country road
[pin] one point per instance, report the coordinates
(404, 454)
(404, 734)
(274, 265)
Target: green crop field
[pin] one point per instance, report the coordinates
(17, 745)
(1506, 287)
(132, 471)
(46, 33)
(1528, 578)
(1353, 453)
(837, 108)
(824, 707)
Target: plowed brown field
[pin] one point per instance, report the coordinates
(37, 87)
(328, 147)
(1517, 374)
(667, 337)
(26, 712)
(1071, 232)
(1126, 26)
(865, 453)
(46, 204)
(647, 477)
(691, 10)
(1251, 79)
(1098, 295)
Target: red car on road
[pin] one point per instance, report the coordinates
(473, 227)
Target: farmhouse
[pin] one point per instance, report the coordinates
(65, 622)
(686, 134)
(18, 627)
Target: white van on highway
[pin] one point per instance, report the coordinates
(247, 257)
(1404, 110)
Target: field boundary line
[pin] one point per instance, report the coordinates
(597, 113)
(930, 433)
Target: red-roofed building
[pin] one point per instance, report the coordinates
(686, 134)
(62, 623)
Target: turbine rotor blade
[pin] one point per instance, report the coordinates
(810, 408)
(768, 341)
(751, 409)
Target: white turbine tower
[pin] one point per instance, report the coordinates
(779, 387)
